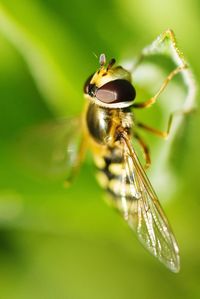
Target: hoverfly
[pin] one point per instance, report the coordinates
(107, 129)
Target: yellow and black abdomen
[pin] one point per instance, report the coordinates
(109, 171)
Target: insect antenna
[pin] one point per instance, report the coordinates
(111, 63)
(102, 60)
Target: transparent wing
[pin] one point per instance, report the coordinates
(140, 207)
(54, 149)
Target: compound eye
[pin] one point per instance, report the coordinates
(116, 91)
(87, 83)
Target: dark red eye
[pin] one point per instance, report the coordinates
(87, 83)
(116, 91)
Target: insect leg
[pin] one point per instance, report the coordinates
(145, 150)
(166, 44)
(152, 100)
(164, 134)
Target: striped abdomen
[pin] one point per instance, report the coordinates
(112, 176)
(109, 170)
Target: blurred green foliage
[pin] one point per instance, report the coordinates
(58, 243)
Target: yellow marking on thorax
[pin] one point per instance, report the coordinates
(96, 148)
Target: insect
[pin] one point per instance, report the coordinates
(107, 129)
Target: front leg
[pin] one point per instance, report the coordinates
(166, 44)
(164, 134)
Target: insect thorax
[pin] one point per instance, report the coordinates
(104, 124)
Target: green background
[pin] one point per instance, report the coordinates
(58, 243)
